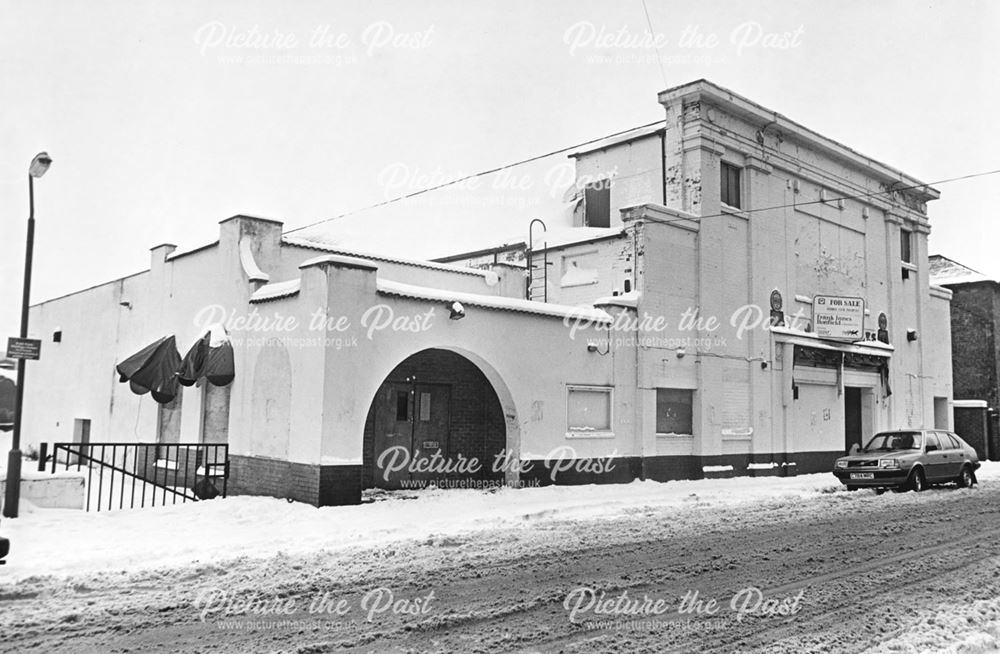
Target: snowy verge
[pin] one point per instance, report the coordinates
(68, 542)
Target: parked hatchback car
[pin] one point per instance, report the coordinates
(909, 459)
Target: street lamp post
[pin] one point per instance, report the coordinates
(12, 495)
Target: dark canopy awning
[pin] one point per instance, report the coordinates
(158, 367)
(213, 362)
(153, 369)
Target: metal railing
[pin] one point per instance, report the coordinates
(144, 471)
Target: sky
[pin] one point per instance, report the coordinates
(163, 118)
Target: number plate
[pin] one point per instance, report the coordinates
(862, 475)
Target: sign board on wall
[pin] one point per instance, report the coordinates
(23, 348)
(839, 318)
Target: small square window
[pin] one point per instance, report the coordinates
(730, 185)
(906, 245)
(57, 337)
(673, 410)
(589, 409)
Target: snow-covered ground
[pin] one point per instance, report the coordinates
(952, 628)
(71, 542)
(877, 571)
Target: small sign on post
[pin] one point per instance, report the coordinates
(839, 318)
(24, 348)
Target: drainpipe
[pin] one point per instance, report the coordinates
(663, 166)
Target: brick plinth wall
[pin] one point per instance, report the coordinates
(339, 485)
(313, 484)
(181, 466)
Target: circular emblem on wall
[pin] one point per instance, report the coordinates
(776, 301)
(883, 322)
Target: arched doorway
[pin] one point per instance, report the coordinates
(435, 419)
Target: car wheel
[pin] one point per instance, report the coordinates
(965, 478)
(917, 481)
(852, 488)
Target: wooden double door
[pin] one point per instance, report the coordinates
(412, 424)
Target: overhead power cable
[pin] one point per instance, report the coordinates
(570, 148)
(466, 178)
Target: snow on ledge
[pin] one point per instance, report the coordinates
(969, 404)
(388, 287)
(276, 290)
(250, 266)
(338, 259)
(717, 468)
(339, 461)
(630, 299)
(810, 339)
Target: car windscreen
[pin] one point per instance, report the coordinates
(897, 440)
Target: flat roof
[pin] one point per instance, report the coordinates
(745, 108)
(631, 135)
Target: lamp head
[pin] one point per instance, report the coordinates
(40, 164)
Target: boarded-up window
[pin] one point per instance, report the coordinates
(169, 423)
(730, 184)
(597, 204)
(736, 398)
(673, 410)
(589, 409)
(215, 414)
(579, 270)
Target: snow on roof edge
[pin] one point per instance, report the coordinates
(325, 247)
(276, 290)
(492, 301)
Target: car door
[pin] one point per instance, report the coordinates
(934, 462)
(953, 454)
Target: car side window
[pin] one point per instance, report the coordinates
(931, 442)
(954, 441)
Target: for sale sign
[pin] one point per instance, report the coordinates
(839, 318)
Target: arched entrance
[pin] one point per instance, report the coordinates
(435, 419)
